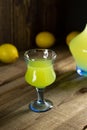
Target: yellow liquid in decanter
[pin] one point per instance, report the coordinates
(78, 48)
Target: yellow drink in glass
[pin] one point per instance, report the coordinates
(80, 55)
(40, 73)
(78, 47)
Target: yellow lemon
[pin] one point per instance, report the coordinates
(70, 36)
(44, 39)
(8, 53)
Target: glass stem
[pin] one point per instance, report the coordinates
(40, 95)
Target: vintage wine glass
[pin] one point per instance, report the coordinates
(40, 74)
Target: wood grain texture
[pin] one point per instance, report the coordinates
(68, 93)
(14, 27)
(6, 24)
(21, 20)
(21, 27)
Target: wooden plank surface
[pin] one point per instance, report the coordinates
(19, 20)
(68, 93)
(6, 23)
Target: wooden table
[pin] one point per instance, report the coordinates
(68, 93)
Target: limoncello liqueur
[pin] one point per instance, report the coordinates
(40, 73)
(78, 47)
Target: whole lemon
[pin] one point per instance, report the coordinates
(45, 39)
(70, 36)
(8, 53)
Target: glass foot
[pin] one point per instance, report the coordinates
(38, 106)
(81, 72)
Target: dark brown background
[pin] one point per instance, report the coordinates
(21, 20)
